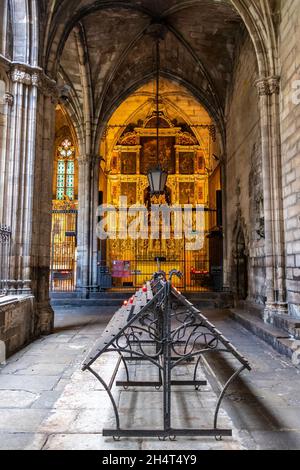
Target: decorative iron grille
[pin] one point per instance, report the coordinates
(5, 242)
(63, 250)
(134, 272)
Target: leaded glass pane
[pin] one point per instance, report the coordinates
(70, 193)
(71, 167)
(60, 194)
(60, 180)
(65, 170)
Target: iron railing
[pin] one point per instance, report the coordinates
(5, 243)
(196, 274)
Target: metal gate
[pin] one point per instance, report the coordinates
(133, 273)
(63, 250)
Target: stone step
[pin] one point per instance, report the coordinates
(117, 302)
(287, 324)
(73, 302)
(252, 308)
(277, 338)
(92, 295)
(111, 302)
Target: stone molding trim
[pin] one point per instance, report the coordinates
(19, 287)
(268, 86)
(34, 76)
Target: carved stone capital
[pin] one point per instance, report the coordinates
(268, 86)
(274, 85)
(262, 87)
(9, 99)
(20, 76)
(36, 77)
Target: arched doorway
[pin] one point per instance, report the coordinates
(63, 254)
(189, 148)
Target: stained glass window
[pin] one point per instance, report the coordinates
(65, 171)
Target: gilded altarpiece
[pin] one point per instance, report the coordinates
(127, 167)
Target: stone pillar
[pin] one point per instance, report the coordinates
(43, 208)
(226, 261)
(87, 208)
(29, 188)
(21, 154)
(6, 106)
(268, 90)
(95, 203)
(83, 235)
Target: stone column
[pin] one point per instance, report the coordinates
(87, 208)
(268, 90)
(83, 231)
(226, 267)
(42, 220)
(95, 203)
(21, 154)
(6, 103)
(29, 188)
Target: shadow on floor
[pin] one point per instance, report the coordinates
(241, 393)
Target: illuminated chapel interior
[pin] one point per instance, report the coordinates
(190, 151)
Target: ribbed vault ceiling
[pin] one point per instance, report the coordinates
(198, 49)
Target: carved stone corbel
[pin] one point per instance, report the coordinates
(268, 86)
(9, 99)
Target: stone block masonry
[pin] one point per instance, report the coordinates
(290, 112)
(17, 320)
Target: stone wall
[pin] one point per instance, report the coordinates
(17, 320)
(244, 186)
(289, 53)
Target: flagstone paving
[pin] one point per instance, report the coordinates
(47, 402)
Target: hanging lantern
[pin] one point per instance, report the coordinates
(157, 178)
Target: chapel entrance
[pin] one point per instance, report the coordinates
(63, 252)
(186, 147)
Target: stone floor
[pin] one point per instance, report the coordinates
(46, 402)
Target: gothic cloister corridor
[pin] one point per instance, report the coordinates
(149, 224)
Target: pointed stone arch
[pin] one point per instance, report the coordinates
(258, 20)
(199, 95)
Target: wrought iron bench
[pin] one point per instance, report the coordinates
(146, 328)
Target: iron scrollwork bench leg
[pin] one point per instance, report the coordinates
(222, 395)
(108, 390)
